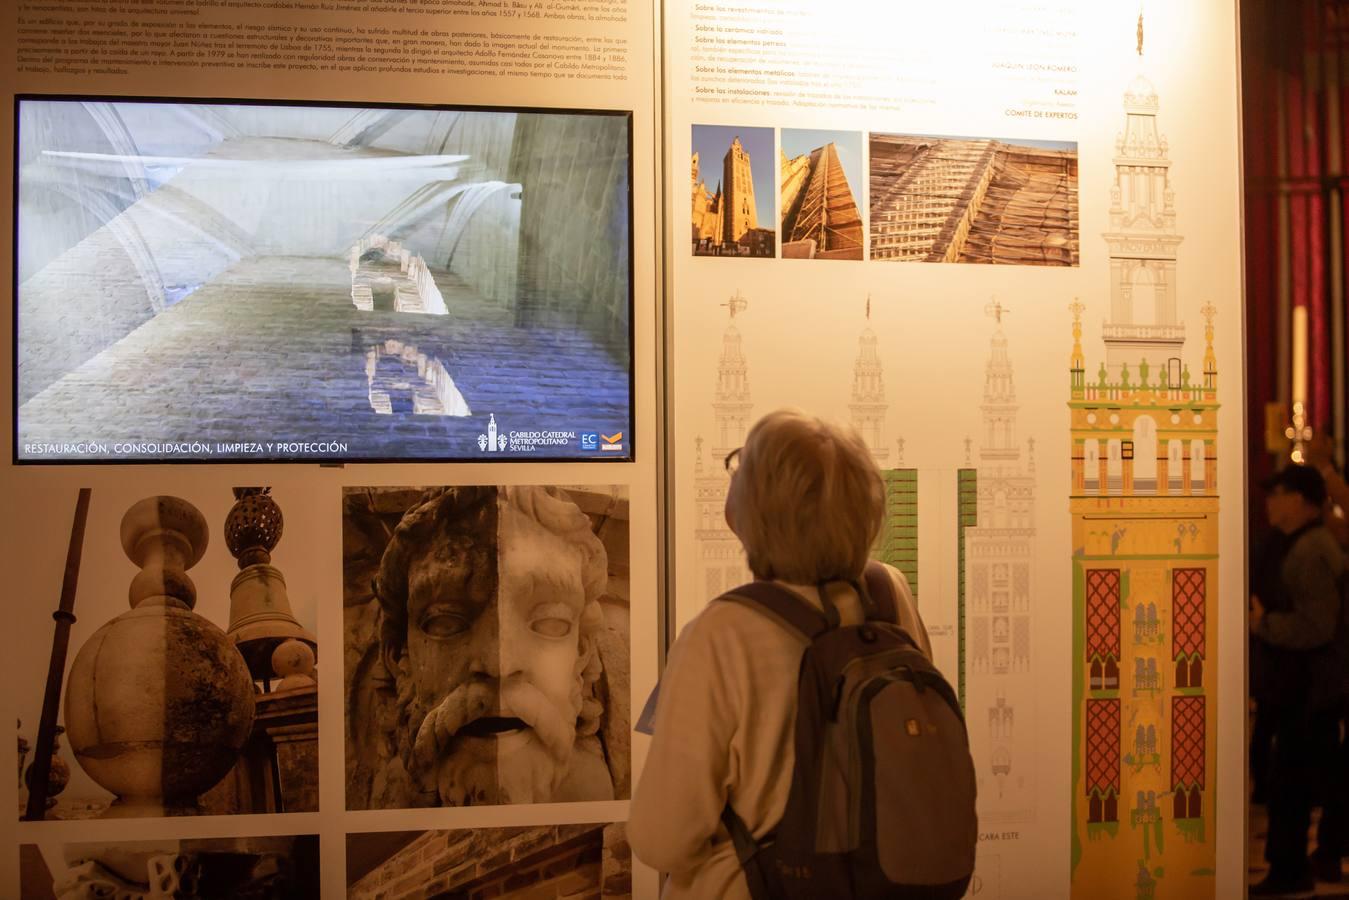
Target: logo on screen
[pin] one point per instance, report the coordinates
(492, 441)
(590, 440)
(612, 441)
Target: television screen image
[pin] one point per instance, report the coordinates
(243, 281)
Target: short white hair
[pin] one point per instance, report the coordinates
(807, 499)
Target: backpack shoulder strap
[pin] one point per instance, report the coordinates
(781, 603)
(880, 591)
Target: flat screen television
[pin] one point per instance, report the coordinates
(226, 281)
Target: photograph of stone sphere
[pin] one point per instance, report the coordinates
(248, 868)
(936, 198)
(201, 698)
(325, 282)
(486, 648)
(530, 863)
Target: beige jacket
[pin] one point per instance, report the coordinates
(724, 728)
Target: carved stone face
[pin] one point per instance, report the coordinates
(495, 660)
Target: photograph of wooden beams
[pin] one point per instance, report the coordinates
(973, 200)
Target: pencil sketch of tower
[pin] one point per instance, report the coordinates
(999, 552)
(867, 404)
(720, 556)
(1144, 510)
(897, 542)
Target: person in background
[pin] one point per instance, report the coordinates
(1321, 457)
(807, 501)
(1300, 650)
(1332, 837)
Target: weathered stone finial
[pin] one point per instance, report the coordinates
(293, 662)
(253, 527)
(260, 613)
(182, 726)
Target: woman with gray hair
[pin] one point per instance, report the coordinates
(807, 502)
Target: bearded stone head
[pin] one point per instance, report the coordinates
(489, 603)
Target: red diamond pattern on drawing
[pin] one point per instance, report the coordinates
(1187, 742)
(1103, 613)
(1103, 746)
(1189, 591)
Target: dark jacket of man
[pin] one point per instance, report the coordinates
(1305, 630)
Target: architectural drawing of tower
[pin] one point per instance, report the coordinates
(897, 543)
(738, 211)
(867, 404)
(1144, 509)
(720, 556)
(999, 551)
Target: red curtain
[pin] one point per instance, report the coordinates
(1295, 98)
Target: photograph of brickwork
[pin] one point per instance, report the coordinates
(973, 200)
(819, 174)
(215, 281)
(1144, 508)
(734, 218)
(246, 868)
(202, 698)
(486, 645)
(546, 862)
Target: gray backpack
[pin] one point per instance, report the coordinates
(883, 790)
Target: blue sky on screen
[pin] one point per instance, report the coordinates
(799, 141)
(711, 142)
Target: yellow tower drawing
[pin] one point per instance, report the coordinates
(1144, 508)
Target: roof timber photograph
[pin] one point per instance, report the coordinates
(243, 280)
(1007, 201)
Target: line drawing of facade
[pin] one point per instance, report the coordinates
(721, 559)
(997, 601)
(1144, 509)
(897, 543)
(867, 403)
(820, 218)
(938, 199)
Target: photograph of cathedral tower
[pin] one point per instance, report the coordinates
(726, 221)
(1144, 510)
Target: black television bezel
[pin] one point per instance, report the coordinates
(628, 456)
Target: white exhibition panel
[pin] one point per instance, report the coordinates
(996, 121)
